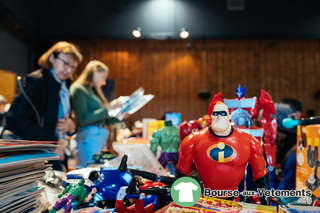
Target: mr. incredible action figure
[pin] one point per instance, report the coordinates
(221, 153)
(73, 191)
(168, 139)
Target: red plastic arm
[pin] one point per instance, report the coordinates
(269, 135)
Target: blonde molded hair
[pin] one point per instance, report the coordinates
(86, 77)
(60, 47)
(221, 103)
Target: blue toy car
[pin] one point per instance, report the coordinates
(107, 181)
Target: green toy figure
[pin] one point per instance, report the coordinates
(168, 139)
(73, 191)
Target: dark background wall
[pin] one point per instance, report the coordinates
(165, 18)
(15, 55)
(268, 44)
(61, 19)
(17, 36)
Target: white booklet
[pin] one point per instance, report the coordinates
(131, 104)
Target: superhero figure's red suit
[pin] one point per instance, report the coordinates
(221, 161)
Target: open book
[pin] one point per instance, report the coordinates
(131, 104)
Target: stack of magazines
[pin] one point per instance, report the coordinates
(22, 165)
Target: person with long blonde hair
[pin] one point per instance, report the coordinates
(41, 110)
(91, 111)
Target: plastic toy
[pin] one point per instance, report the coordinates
(221, 153)
(73, 191)
(122, 134)
(168, 139)
(137, 207)
(151, 176)
(290, 123)
(107, 181)
(244, 110)
(104, 155)
(186, 128)
(158, 192)
(55, 179)
(158, 197)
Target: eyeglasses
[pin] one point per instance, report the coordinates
(66, 64)
(222, 113)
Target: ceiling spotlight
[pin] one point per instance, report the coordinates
(137, 32)
(184, 33)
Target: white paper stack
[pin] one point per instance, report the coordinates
(22, 165)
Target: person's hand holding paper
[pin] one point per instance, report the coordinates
(130, 104)
(114, 105)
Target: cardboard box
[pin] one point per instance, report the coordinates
(307, 174)
(154, 125)
(145, 122)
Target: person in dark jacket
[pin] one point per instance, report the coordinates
(48, 91)
(284, 177)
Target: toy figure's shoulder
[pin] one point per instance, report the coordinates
(246, 136)
(189, 142)
(174, 130)
(156, 133)
(241, 133)
(199, 134)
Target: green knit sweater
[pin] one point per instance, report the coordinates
(88, 107)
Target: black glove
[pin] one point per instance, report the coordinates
(264, 183)
(195, 175)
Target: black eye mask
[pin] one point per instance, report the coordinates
(222, 113)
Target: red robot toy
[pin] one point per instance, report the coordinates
(221, 153)
(244, 110)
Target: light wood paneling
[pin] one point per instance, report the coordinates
(175, 73)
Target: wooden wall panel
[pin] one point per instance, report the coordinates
(175, 73)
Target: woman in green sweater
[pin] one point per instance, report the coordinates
(91, 111)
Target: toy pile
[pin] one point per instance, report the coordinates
(22, 165)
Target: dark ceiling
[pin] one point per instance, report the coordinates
(161, 19)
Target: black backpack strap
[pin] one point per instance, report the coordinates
(19, 79)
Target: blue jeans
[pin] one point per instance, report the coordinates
(90, 140)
